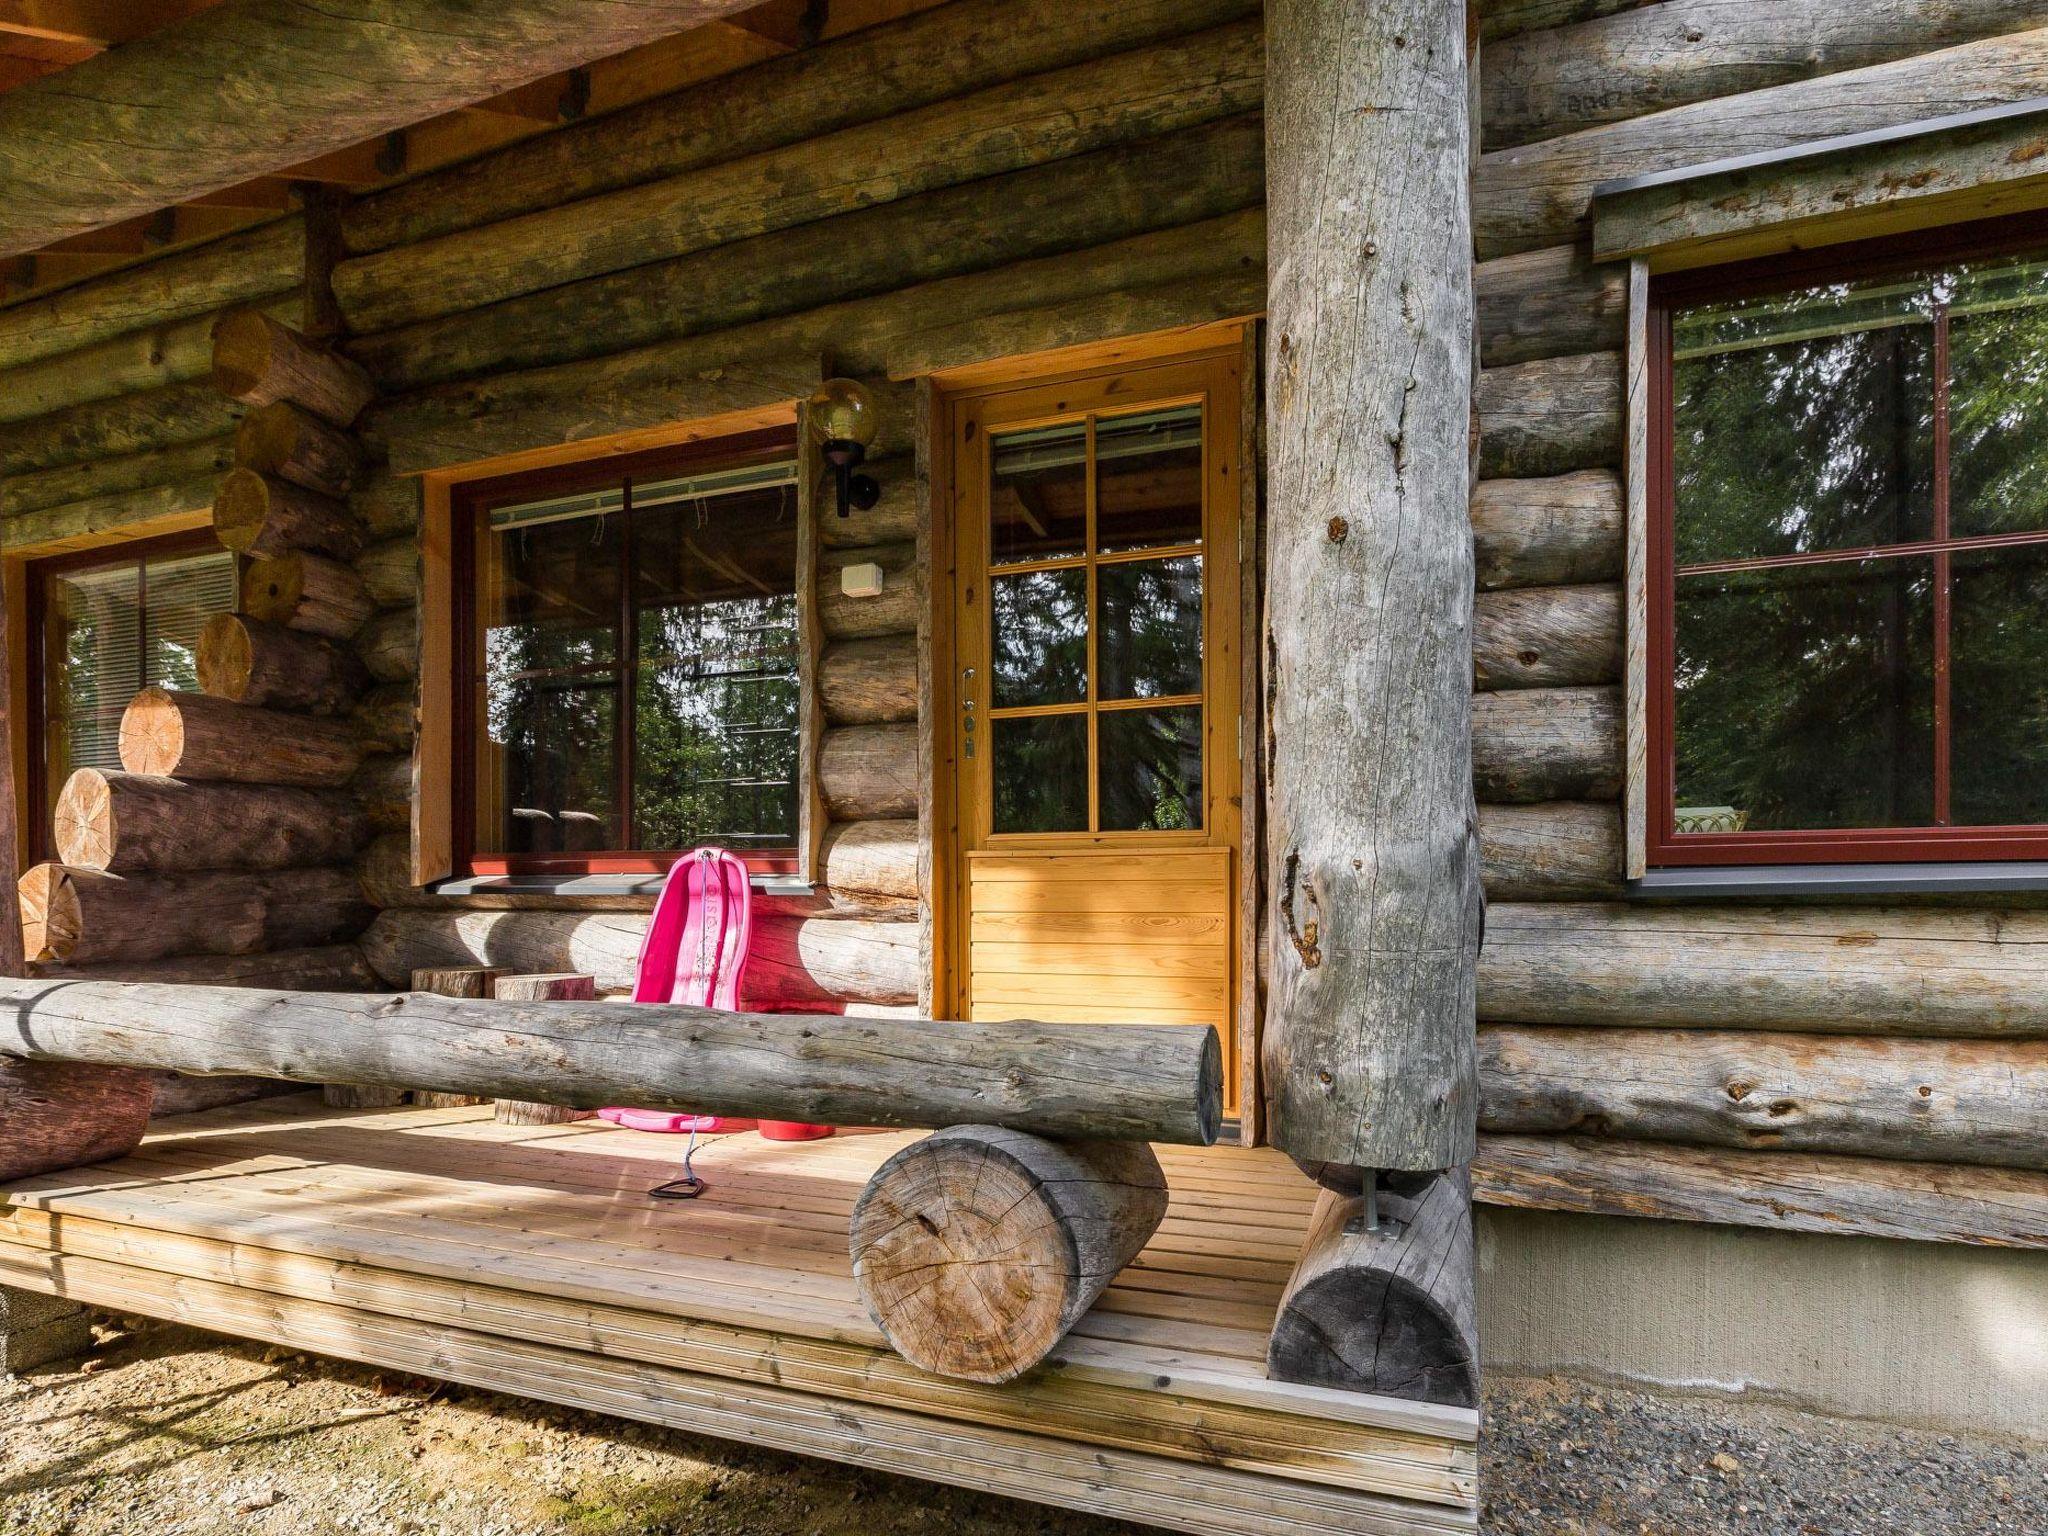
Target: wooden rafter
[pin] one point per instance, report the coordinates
(93, 24)
(250, 88)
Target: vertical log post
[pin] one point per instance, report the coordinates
(544, 987)
(1372, 849)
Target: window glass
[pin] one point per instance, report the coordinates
(637, 665)
(1038, 494)
(111, 628)
(1148, 480)
(1859, 529)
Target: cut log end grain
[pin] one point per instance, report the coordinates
(83, 825)
(304, 591)
(50, 916)
(976, 1249)
(282, 440)
(247, 661)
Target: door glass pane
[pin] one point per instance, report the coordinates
(1803, 422)
(93, 667)
(1150, 644)
(184, 592)
(548, 601)
(1151, 769)
(715, 724)
(1805, 697)
(1041, 773)
(1039, 645)
(1998, 399)
(1998, 772)
(1038, 494)
(1148, 487)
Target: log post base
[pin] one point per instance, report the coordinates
(36, 1329)
(452, 981)
(59, 1114)
(976, 1249)
(1381, 1299)
(559, 986)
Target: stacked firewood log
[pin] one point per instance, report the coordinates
(223, 850)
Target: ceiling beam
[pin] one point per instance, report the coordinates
(251, 87)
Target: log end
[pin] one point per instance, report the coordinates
(226, 658)
(83, 823)
(976, 1249)
(50, 917)
(152, 732)
(271, 588)
(240, 508)
(241, 353)
(59, 1114)
(267, 438)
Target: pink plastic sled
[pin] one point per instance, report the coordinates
(696, 952)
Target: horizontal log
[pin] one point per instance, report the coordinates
(1547, 744)
(384, 789)
(390, 645)
(1780, 1191)
(1389, 1310)
(976, 1249)
(1178, 178)
(150, 509)
(177, 1094)
(1550, 303)
(334, 968)
(292, 444)
(863, 682)
(1861, 970)
(1542, 84)
(1538, 194)
(1549, 417)
(60, 1114)
(874, 858)
(1546, 637)
(249, 662)
(1563, 849)
(1556, 531)
(893, 611)
(390, 570)
(824, 962)
(1094, 1082)
(123, 425)
(248, 267)
(196, 736)
(107, 477)
(758, 365)
(176, 352)
(1943, 1101)
(306, 591)
(90, 917)
(256, 514)
(383, 718)
(1510, 18)
(1047, 117)
(132, 822)
(875, 72)
(388, 505)
(869, 772)
(259, 360)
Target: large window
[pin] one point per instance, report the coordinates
(1849, 635)
(631, 684)
(111, 622)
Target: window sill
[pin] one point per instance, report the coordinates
(1773, 880)
(598, 885)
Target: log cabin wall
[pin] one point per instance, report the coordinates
(1875, 1065)
(981, 180)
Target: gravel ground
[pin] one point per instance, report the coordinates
(171, 1432)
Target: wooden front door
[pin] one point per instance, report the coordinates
(1094, 699)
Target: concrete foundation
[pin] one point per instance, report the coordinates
(37, 1329)
(1928, 1334)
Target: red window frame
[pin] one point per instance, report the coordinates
(36, 629)
(470, 502)
(1668, 848)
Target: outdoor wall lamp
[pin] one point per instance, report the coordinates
(844, 416)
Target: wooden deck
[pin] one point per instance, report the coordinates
(531, 1261)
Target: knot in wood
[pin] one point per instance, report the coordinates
(1340, 530)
